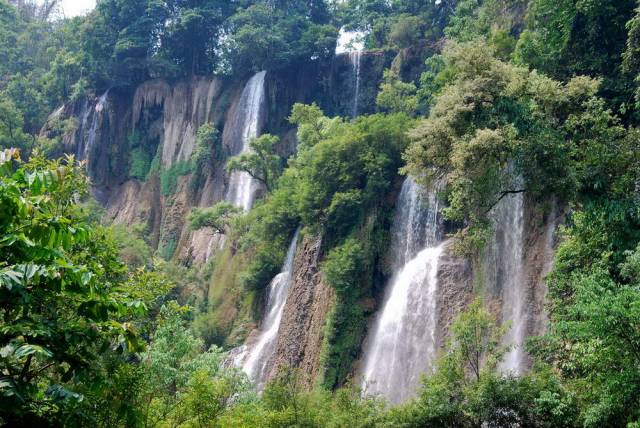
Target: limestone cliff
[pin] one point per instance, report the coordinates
(502, 265)
(300, 335)
(156, 124)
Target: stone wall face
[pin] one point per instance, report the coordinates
(310, 298)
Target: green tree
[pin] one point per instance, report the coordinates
(62, 291)
(466, 389)
(261, 162)
(567, 38)
(397, 96)
(192, 32)
(313, 125)
(498, 129)
(185, 383)
(217, 217)
(274, 36)
(29, 101)
(11, 127)
(594, 300)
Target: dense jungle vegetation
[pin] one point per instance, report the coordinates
(535, 96)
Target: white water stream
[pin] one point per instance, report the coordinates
(242, 187)
(87, 141)
(351, 43)
(255, 358)
(505, 265)
(402, 343)
(356, 58)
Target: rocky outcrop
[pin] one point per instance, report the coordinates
(455, 289)
(541, 240)
(185, 107)
(460, 280)
(300, 335)
(340, 86)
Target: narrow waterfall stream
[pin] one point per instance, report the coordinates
(356, 58)
(255, 359)
(86, 111)
(88, 141)
(402, 342)
(506, 268)
(247, 117)
(242, 187)
(351, 43)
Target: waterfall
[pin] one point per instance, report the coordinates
(351, 43)
(355, 59)
(254, 359)
(506, 274)
(81, 130)
(247, 116)
(402, 343)
(86, 142)
(93, 131)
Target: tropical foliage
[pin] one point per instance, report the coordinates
(489, 97)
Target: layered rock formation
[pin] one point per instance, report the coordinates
(159, 120)
(310, 298)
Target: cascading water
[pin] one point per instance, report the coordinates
(254, 359)
(355, 59)
(351, 43)
(87, 142)
(248, 115)
(102, 101)
(505, 265)
(402, 344)
(82, 129)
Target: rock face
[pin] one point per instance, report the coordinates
(300, 335)
(407, 333)
(460, 280)
(159, 120)
(541, 241)
(455, 283)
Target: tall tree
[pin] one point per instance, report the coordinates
(61, 291)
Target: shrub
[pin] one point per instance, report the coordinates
(166, 251)
(139, 163)
(169, 177)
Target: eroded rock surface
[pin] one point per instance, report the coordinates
(300, 336)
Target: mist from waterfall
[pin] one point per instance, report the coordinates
(242, 186)
(402, 342)
(255, 359)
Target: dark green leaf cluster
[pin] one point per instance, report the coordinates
(400, 24)
(62, 290)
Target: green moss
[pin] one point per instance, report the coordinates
(169, 177)
(156, 163)
(231, 306)
(168, 249)
(140, 156)
(344, 268)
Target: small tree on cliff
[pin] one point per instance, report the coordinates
(261, 163)
(217, 217)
